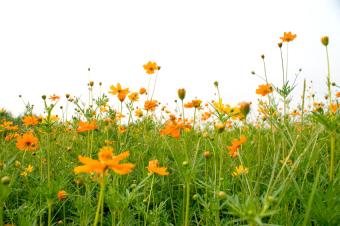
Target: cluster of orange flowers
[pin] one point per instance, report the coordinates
(87, 126)
(174, 126)
(193, 104)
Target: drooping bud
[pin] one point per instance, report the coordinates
(279, 44)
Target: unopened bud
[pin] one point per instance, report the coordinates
(221, 195)
(5, 180)
(181, 94)
(207, 154)
(279, 44)
(325, 40)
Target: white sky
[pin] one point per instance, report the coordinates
(47, 46)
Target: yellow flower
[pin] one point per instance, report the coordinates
(240, 170)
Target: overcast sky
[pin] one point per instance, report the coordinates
(47, 46)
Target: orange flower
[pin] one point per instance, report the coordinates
(30, 120)
(139, 113)
(193, 104)
(334, 107)
(54, 97)
(119, 91)
(106, 161)
(150, 105)
(27, 142)
(235, 145)
(11, 136)
(206, 116)
(142, 91)
(134, 96)
(8, 125)
(151, 67)
(87, 126)
(337, 94)
(288, 37)
(153, 167)
(264, 89)
(173, 128)
(62, 195)
(121, 129)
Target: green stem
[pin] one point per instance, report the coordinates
(100, 200)
(149, 198)
(183, 118)
(193, 126)
(1, 213)
(331, 167)
(154, 85)
(187, 205)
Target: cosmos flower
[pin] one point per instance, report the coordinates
(264, 89)
(106, 160)
(151, 67)
(288, 37)
(30, 120)
(119, 91)
(27, 142)
(240, 170)
(87, 126)
(153, 167)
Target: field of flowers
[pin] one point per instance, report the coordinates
(123, 158)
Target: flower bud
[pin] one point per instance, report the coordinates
(181, 94)
(195, 196)
(221, 195)
(62, 195)
(262, 56)
(216, 83)
(5, 180)
(207, 154)
(17, 164)
(279, 44)
(220, 126)
(325, 40)
(43, 97)
(185, 163)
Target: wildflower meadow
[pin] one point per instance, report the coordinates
(123, 158)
